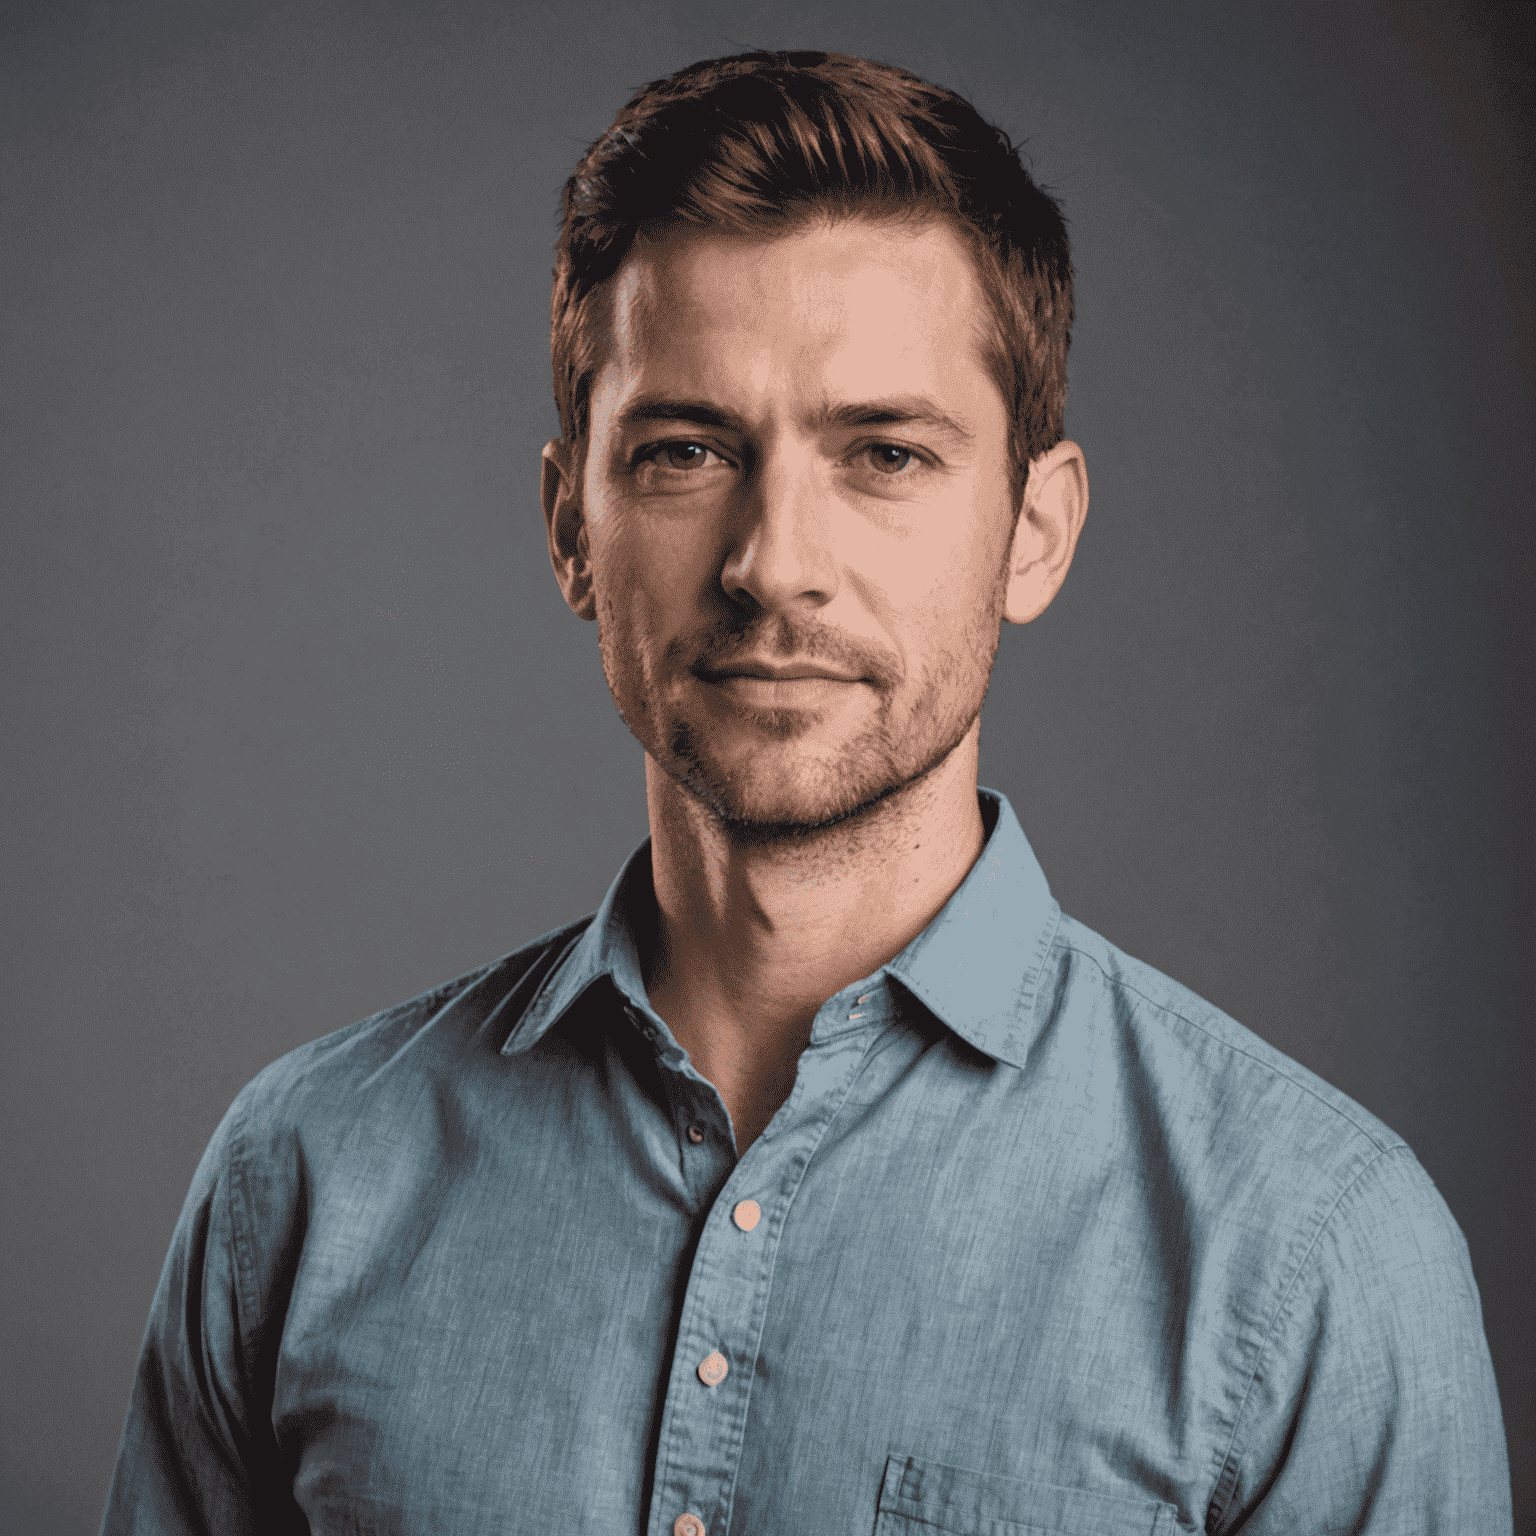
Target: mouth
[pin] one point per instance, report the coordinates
(765, 672)
(797, 688)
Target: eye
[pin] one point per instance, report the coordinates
(678, 466)
(890, 458)
(678, 455)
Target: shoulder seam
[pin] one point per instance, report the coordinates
(414, 1012)
(1227, 1478)
(1237, 1050)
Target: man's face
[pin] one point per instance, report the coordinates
(797, 512)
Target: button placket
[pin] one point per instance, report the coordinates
(724, 1308)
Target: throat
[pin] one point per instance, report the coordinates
(750, 1058)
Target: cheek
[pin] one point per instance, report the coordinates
(648, 574)
(944, 582)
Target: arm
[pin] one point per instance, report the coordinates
(1373, 1409)
(198, 1453)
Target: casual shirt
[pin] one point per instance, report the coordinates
(1039, 1243)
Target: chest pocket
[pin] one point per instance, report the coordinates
(919, 1497)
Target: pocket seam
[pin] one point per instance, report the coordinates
(980, 1501)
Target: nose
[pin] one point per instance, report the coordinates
(780, 554)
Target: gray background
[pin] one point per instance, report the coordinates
(296, 724)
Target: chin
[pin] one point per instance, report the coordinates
(779, 795)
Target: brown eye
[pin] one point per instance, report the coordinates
(678, 468)
(890, 458)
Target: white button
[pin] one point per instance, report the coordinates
(687, 1525)
(747, 1214)
(713, 1369)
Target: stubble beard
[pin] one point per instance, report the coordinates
(773, 801)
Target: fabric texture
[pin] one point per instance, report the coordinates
(1045, 1244)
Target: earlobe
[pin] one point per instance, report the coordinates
(1055, 507)
(565, 524)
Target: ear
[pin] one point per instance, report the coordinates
(1055, 505)
(569, 551)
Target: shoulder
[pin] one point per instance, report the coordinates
(1268, 1165)
(319, 1087)
(1332, 1284)
(1218, 1070)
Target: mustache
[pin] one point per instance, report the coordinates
(787, 639)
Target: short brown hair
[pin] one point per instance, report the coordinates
(760, 141)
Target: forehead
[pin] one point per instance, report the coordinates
(845, 308)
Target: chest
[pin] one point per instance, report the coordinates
(887, 1315)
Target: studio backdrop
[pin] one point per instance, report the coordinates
(297, 725)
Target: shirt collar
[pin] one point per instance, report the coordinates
(976, 967)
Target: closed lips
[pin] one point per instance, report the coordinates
(779, 675)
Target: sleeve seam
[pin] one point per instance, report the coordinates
(1227, 1480)
(245, 1268)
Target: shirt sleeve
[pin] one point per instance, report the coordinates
(198, 1453)
(1373, 1409)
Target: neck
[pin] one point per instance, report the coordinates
(752, 938)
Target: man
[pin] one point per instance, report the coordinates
(828, 1178)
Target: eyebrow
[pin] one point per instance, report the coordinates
(892, 411)
(662, 408)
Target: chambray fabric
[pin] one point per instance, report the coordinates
(1047, 1245)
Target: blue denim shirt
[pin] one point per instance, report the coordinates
(1039, 1242)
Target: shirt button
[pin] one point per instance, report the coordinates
(695, 1135)
(712, 1371)
(687, 1525)
(747, 1214)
